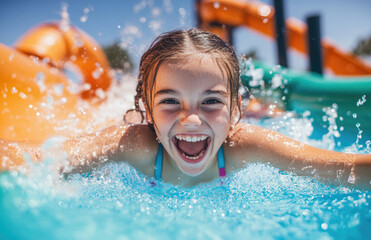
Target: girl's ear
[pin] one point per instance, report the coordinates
(148, 116)
(236, 112)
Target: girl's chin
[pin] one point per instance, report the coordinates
(193, 172)
(193, 169)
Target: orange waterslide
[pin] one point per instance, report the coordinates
(37, 99)
(260, 17)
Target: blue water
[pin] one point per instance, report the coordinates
(117, 202)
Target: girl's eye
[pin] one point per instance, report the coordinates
(212, 101)
(169, 101)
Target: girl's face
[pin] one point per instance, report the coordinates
(191, 112)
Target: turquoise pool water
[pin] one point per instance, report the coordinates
(258, 202)
(117, 202)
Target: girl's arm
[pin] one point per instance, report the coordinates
(265, 145)
(91, 149)
(134, 144)
(113, 143)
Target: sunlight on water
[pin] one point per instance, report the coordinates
(116, 201)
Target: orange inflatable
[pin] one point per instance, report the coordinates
(37, 99)
(260, 17)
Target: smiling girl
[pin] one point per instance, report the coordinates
(190, 131)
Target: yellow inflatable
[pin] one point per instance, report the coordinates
(37, 99)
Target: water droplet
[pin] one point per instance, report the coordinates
(40, 81)
(22, 95)
(352, 177)
(84, 18)
(361, 101)
(324, 226)
(100, 93)
(264, 11)
(14, 90)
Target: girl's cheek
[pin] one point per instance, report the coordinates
(163, 122)
(165, 117)
(221, 116)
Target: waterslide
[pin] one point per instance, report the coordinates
(260, 17)
(37, 99)
(347, 93)
(302, 91)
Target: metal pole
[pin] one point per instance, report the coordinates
(230, 33)
(314, 44)
(198, 18)
(280, 32)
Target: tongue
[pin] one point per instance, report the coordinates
(191, 148)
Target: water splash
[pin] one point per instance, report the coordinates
(118, 196)
(361, 101)
(182, 16)
(359, 136)
(86, 12)
(250, 76)
(330, 116)
(65, 23)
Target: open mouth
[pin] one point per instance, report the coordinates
(192, 148)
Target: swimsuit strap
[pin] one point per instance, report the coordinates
(159, 157)
(158, 167)
(221, 162)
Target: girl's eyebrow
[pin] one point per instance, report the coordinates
(222, 92)
(165, 91)
(207, 92)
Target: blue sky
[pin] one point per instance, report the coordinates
(135, 23)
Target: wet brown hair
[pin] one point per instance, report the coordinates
(180, 46)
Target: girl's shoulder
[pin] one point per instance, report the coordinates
(244, 134)
(241, 144)
(138, 147)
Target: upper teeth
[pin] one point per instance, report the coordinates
(191, 138)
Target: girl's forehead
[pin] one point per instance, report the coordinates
(193, 77)
(192, 68)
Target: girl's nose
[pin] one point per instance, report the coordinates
(191, 120)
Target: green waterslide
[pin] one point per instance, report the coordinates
(303, 91)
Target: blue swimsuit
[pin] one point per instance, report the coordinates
(159, 157)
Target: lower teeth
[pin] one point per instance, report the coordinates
(194, 158)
